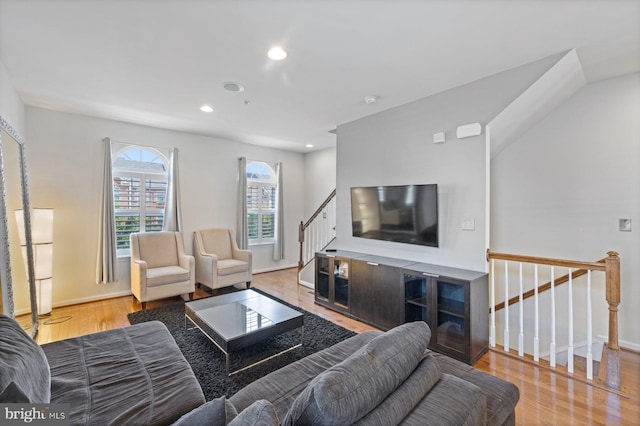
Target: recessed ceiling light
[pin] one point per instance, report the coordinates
(233, 87)
(277, 53)
(206, 108)
(309, 145)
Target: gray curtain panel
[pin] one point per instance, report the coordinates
(172, 216)
(278, 246)
(107, 264)
(241, 234)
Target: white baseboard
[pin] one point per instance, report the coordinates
(274, 268)
(623, 343)
(81, 300)
(307, 284)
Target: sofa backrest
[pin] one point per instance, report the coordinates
(158, 249)
(24, 371)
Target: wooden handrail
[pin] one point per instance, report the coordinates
(546, 286)
(318, 211)
(303, 226)
(597, 266)
(611, 267)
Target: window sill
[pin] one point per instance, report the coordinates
(261, 244)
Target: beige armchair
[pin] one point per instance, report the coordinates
(159, 266)
(219, 261)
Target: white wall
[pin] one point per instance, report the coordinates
(319, 179)
(11, 106)
(65, 165)
(395, 147)
(561, 188)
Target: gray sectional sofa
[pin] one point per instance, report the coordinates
(138, 376)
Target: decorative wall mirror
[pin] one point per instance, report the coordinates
(14, 194)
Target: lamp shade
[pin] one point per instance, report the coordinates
(42, 244)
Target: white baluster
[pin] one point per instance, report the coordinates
(570, 313)
(536, 331)
(552, 346)
(589, 330)
(492, 329)
(521, 335)
(506, 306)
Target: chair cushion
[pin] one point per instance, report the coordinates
(166, 275)
(231, 266)
(158, 249)
(24, 369)
(218, 242)
(348, 391)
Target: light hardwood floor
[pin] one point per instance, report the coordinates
(546, 398)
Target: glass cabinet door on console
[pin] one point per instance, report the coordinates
(332, 282)
(451, 317)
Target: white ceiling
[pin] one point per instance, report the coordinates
(155, 62)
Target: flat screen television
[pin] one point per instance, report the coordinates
(402, 214)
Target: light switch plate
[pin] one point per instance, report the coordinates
(468, 224)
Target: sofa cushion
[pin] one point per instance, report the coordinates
(260, 413)
(215, 412)
(166, 275)
(403, 400)
(283, 386)
(23, 363)
(351, 389)
(131, 375)
(452, 402)
(502, 396)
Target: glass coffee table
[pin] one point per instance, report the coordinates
(237, 320)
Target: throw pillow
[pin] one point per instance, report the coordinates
(217, 412)
(349, 390)
(260, 413)
(23, 362)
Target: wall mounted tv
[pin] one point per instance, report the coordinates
(402, 214)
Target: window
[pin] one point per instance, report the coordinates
(140, 177)
(261, 202)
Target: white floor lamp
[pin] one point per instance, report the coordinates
(42, 242)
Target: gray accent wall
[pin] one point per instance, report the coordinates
(395, 147)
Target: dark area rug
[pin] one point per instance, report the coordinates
(208, 362)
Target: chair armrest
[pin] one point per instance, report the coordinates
(244, 255)
(139, 278)
(186, 262)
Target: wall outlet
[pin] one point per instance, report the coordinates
(468, 224)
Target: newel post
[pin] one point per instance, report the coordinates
(301, 240)
(613, 299)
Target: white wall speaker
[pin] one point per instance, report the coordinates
(468, 130)
(439, 137)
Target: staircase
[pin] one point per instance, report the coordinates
(554, 322)
(316, 234)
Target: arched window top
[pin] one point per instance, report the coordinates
(260, 171)
(137, 159)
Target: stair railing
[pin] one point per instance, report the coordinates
(611, 268)
(318, 232)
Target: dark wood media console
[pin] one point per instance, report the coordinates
(386, 292)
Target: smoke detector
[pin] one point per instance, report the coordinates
(230, 86)
(370, 99)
